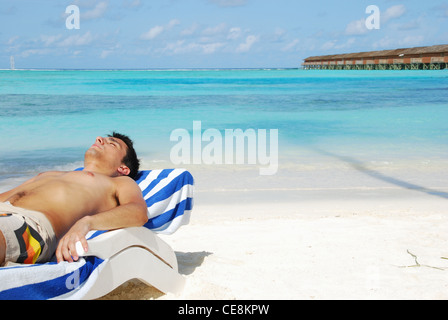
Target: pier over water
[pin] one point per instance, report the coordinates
(419, 58)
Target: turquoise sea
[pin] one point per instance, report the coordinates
(48, 118)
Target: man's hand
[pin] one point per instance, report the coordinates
(66, 250)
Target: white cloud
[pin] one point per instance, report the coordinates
(291, 45)
(190, 30)
(357, 27)
(105, 54)
(182, 47)
(213, 31)
(49, 40)
(77, 40)
(229, 3)
(389, 42)
(247, 45)
(328, 45)
(234, 33)
(32, 52)
(278, 35)
(12, 40)
(96, 12)
(173, 23)
(152, 33)
(155, 31)
(393, 13)
(174, 47)
(207, 40)
(211, 47)
(333, 44)
(132, 3)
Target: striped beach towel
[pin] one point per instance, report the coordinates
(169, 196)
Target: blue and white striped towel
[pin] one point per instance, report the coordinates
(169, 196)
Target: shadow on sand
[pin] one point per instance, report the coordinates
(137, 290)
(359, 166)
(189, 261)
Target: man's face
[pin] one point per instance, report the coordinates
(110, 151)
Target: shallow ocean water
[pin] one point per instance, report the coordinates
(49, 118)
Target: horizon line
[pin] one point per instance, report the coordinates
(147, 69)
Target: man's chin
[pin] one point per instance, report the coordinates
(92, 152)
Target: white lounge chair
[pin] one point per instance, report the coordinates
(133, 253)
(117, 256)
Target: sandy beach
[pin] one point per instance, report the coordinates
(378, 234)
(316, 134)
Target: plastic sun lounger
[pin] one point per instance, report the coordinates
(116, 256)
(133, 253)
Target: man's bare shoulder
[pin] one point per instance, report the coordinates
(127, 190)
(124, 181)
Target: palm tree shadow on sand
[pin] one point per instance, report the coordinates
(359, 166)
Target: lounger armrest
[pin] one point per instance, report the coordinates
(112, 242)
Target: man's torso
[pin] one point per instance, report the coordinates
(65, 197)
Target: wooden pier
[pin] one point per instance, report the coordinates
(419, 58)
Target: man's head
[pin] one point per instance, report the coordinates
(114, 155)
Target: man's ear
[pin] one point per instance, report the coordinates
(123, 170)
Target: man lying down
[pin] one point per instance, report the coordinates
(49, 213)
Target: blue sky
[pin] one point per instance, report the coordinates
(208, 33)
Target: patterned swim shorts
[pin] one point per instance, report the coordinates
(28, 234)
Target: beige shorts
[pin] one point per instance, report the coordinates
(28, 234)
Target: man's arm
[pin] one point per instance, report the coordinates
(132, 212)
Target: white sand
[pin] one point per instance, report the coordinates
(335, 239)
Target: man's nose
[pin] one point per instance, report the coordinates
(100, 140)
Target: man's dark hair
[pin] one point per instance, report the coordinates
(130, 159)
